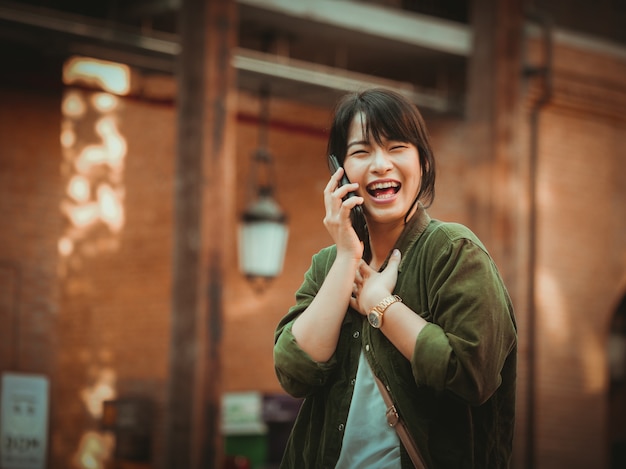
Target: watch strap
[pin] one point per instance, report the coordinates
(386, 303)
(375, 316)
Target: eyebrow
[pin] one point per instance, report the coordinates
(359, 142)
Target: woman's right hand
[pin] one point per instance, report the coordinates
(337, 218)
(332, 300)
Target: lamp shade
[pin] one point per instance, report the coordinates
(263, 234)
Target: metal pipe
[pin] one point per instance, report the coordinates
(545, 72)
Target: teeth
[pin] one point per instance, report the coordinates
(382, 185)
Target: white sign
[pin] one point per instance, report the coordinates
(242, 413)
(23, 421)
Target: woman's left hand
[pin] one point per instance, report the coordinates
(370, 286)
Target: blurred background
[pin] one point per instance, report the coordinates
(161, 172)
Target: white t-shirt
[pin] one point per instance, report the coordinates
(368, 441)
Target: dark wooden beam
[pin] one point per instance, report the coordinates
(493, 103)
(204, 195)
(498, 130)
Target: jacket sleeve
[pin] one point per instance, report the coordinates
(297, 372)
(473, 330)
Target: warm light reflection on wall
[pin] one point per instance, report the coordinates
(553, 309)
(561, 332)
(555, 315)
(94, 450)
(592, 355)
(108, 76)
(94, 157)
(94, 151)
(102, 390)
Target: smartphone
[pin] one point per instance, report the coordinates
(356, 214)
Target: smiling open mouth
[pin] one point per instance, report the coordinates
(383, 190)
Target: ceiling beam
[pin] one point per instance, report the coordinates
(158, 51)
(321, 76)
(87, 28)
(388, 23)
(403, 26)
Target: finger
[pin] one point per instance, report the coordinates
(345, 189)
(354, 303)
(333, 182)
(394, 260)
(364, 270)
(348, 204)
(358, 277)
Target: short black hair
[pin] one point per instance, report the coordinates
(388, 115)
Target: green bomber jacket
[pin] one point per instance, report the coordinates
(456, 394)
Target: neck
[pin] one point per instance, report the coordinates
(382, 240)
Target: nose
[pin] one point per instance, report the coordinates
(381, 163)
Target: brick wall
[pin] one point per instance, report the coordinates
(29, 189)
(115, 283)
(581, 253)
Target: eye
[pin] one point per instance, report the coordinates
(358, 152)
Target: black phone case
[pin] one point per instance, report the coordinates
(356, 214)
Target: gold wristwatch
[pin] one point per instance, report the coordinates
(375, 316)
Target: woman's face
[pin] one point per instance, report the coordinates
(389, 175)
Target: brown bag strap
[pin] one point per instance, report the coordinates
(394, 420)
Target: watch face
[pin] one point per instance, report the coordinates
(374, 319)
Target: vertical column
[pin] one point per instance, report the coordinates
(498, 130)
(493, 113)
(204, 196)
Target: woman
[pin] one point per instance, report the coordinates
(418, 304)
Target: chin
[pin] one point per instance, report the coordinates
(384, 217)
